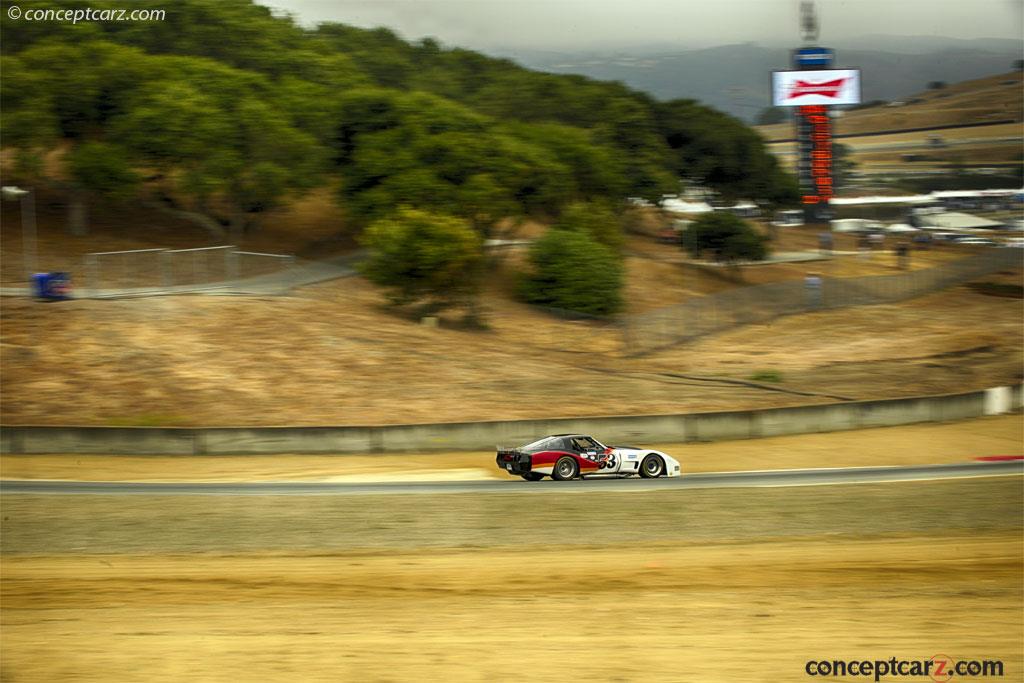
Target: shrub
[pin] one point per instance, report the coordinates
(420, 256)
(767, 376)
(726, 236)
(597, 219)
(572, 271)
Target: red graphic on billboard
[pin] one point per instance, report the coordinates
(825, 89)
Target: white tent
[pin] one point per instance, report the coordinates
(677, 205)
(952, 220)
(855, 225)
(857, 201)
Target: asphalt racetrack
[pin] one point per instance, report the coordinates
(756, 479)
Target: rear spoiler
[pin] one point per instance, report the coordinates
(508, 450)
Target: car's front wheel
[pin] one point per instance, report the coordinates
(652, 466)
(565, 469)
(533, 476)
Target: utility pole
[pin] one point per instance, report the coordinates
(28, 226)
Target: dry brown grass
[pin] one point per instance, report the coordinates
(753, 612)
(702, 585)
(332, 354)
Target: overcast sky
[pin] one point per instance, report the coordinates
(575, 24)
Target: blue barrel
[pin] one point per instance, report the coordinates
(51, 286)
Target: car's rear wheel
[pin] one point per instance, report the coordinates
(652, 466)
(565, 469)
(533, 476)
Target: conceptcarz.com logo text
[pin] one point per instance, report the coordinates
(939, 668)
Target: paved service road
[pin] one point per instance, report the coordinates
(811, 477)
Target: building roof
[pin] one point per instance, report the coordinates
(952, 220)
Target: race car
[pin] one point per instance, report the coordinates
(571, 456)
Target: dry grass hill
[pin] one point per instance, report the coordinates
(333, 354)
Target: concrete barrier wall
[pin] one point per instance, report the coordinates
(623, 430)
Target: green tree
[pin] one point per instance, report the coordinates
(221, 152)
(572, 271)
(721, 152)
(423, 257)
(596, 169)
(597, 219)
(229, 108)
(421, 150)
(100, 170)
(727, 237)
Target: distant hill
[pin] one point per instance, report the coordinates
(736, 78)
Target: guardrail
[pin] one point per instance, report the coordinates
(474, 436)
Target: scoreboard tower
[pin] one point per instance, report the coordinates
(813, 87)
(814, 141)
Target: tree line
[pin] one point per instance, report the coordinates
(225, 110)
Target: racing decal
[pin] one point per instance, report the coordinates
(549, 458)
(825, 89)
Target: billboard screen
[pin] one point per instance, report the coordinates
(817, 87)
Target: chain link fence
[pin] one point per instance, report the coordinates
(137, 269)
(706, 315)
(201, 266)
(249, 264)
(143, 272)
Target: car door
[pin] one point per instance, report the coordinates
(589, 449)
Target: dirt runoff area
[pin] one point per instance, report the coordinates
(727, 585)
(922, 444)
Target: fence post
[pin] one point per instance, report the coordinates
(165, 269)
(92, 267)
(231, 264)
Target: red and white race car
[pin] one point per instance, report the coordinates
(570, 456)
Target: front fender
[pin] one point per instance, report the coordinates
(673, 468)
